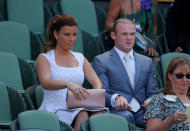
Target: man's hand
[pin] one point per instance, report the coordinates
(178, 49)
(146, 102)
(122, 104)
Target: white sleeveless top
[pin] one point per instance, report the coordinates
(55, 100)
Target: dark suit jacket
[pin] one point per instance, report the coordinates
(114, 77)
(178, 24)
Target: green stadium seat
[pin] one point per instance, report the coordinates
(15, 72)
(32, 13)
(15, 38)
(106, 122)
(41, 120)
(11, 104)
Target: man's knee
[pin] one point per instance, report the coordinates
(127, 115)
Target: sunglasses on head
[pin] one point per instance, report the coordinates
(180, 76)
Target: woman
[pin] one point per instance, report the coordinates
(166, 110)
(60, 69)
(141, 12)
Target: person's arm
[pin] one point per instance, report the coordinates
(100, 69)
(91, 75)
(44, 75)
(155, 124)
(113, 13)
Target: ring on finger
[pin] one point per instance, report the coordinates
(77, 91)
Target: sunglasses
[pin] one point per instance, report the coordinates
(180, 76)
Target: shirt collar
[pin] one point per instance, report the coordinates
(122, 54)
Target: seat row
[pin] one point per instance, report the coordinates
(35, 16)
(15, 117)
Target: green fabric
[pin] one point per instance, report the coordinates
(65, 127)
(101, 17)
(145, 19)
(28, 73)
(36, 45)
(15, 38)
(5, 110)
(10, 71)
(85, 126)
(17, 102)
(84, 12)
(38, 119)
(29, 12)
(93, 46)
(140, 18)
(108, 122)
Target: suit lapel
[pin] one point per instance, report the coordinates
(137, 68)
(119, 64)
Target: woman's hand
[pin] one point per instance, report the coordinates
(151, 51)
(178, 117)
(79, 92)
(146, 102)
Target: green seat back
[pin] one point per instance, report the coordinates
(5, 112)
(39, 95)
(166, 59)
(84, 12)
(38, 119)
(15, 38)
(78, 46)
(10, 71)
(35, 129)
(29, 12)
(108, 122)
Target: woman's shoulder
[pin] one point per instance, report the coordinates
(78, 54)
(48, 54)
(159, 96)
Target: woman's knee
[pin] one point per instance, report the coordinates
(83, 115)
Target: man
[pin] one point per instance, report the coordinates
(177, 26)
(129, 83)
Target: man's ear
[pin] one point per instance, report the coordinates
(113, 35)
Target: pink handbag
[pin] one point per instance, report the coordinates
(95, 99)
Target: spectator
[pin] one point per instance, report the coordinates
(142, 13)
(60, 69)
(177, 26)
(166, 110)
(129, 82)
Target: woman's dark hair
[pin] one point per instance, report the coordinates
(176, 62)
(55, 24)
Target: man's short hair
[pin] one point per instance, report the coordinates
(121, 20)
